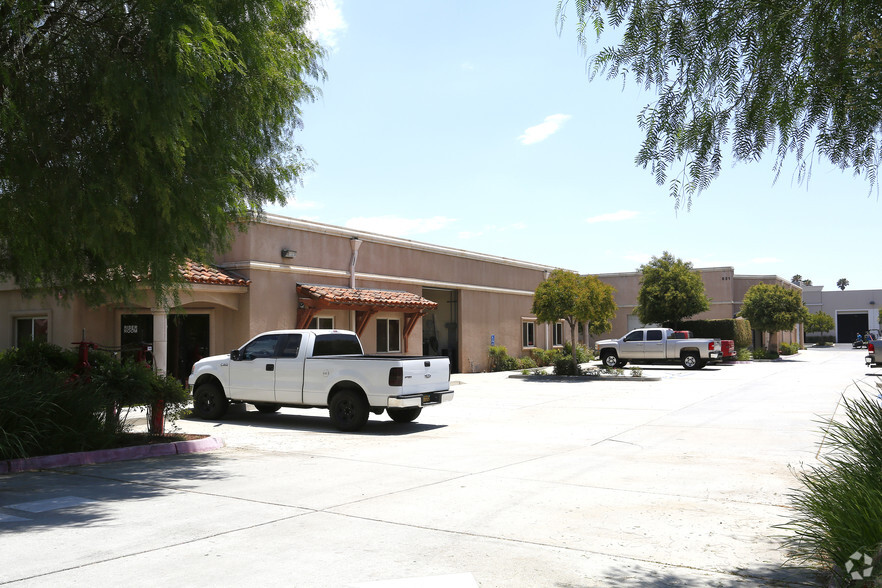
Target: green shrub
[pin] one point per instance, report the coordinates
(583, 354)
(46, 409)
(565, 367)
(526, 363)
(838, 511)
(743, 354)
(760, 353)
(500, 360)
(545, 357)
(788, 348)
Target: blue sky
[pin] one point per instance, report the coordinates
(474, 125)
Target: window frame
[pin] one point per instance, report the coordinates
(528, 334)
(384, 329)
(33, 321)
(557, 335)
(318, 322)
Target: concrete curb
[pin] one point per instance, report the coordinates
(12, 466)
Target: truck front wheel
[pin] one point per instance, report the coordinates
(349, 410)
(691, 361)
(209, 402)
(610, 359)
(404, 415)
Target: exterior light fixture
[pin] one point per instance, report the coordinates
(289, 253)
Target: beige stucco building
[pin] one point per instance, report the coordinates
(401, 296)
(723, 286)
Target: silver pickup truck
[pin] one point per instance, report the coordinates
(319, 369)
(657, 345)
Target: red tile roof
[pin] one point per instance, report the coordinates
(351, 297)
(197, 273)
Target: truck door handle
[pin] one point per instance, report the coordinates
(270, 367)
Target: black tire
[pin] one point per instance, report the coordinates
(349, 410)
(610, 359)
(267, 407)
(621, 363)
(691, 360)
(209, 402)
(703, 363)
(404, 415)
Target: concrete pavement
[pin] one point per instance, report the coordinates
(675, 482)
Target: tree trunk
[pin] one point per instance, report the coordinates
(573, 341)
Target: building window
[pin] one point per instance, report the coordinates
(322, 322)
(388, 335)
(31, 329)
(529, 334)
(557, 335)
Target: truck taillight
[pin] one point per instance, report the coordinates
(710, 346)
(396, 376)
(870, 347)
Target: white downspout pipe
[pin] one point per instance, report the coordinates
(355, 243)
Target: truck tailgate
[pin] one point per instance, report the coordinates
(426, 375)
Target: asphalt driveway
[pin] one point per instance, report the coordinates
(674, 482)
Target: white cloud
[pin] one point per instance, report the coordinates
(327, 23)
(611, 217)
(397, 226)
(544, 129)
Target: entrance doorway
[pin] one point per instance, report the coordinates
(441, 326)
(136, 337)
(849, 324)
(188, 336)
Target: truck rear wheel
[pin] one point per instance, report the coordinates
(691, 361)
(209, 402)
(404, 415)
(349, 410)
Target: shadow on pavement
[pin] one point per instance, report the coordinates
(103, 484)
(762, 575)
(320, 423)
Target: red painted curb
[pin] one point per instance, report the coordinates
(108, 455)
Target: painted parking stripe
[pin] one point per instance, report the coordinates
(446, 581)
(50, 504)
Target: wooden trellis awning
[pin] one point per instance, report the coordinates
(365, 303)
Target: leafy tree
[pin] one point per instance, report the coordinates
(800, 281)
(575, 299)
(819, 322)
(670, 290)
(842, 283)
(765, 76)
(136, 135)
(771, 308)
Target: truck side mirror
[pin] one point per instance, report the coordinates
(234, 355)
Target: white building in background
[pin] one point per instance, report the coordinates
(853, 311)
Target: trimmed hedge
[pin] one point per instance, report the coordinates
(737, 330)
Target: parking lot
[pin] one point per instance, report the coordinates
(673, 482)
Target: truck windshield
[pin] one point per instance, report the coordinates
(336, 344)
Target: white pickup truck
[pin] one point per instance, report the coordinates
(317, 368)
(657, 346)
